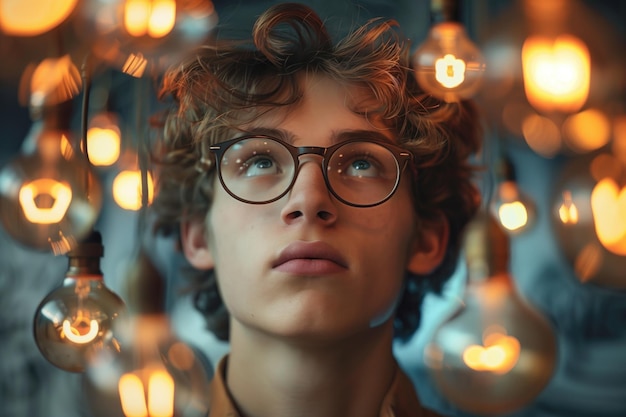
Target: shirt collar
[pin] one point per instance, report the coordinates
(400, 401)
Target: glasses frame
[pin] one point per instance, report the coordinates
(402, 156)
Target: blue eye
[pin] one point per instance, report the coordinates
(361, 165)
(259, 165)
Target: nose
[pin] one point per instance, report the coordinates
(309, 199)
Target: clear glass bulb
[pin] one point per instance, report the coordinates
(495, 353)
(448, 64)
(156, 374)
(154, 29)
(49, 197)
(75, 321)
(513, 209)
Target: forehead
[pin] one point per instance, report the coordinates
(323, 106)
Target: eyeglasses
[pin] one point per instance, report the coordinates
(261, 169)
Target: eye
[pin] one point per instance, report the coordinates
(258, 165)
(362, 166)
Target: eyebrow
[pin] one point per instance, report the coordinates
(336, 137)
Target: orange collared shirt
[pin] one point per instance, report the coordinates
(400, 401)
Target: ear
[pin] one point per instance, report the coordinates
(194, 240)
(429, 246)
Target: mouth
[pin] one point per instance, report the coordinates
(309, 258)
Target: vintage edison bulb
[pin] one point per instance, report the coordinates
(495, 353)
(156, 374)
(49, 197)
(75, 321)
(448, 65)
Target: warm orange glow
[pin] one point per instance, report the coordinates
(160, 394)
(135, 65)
(608, 204)
(54, 79)
(103, 145)
(619, 139)
(33, 17)
(162, 18)
(556, 73)
(499, 354)
(513, 216)
(82, 331)
(45, 201)
(155, 18)
(450, 71)
(132, 396)
(127, 189)
(542, 135)
(587, 130)
(568, 212)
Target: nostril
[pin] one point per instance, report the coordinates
(294, 214)
(324, 215)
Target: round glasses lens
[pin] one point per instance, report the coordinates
(257, 169)
(363, 173)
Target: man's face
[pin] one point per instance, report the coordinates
(307, 265)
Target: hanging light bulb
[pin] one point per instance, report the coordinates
(156, 374)
(50, 198)
(75, 321)
(32, 18)
(127, 189)
(448, 64)
(103, 139)
(513, 209)
(495, 353)
(588, 217)
(129, 33)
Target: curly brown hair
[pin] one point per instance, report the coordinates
(226, 84)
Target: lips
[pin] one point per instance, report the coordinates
(309, 258)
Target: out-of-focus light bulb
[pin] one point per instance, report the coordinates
(568, 212)
(155, 18)
(75, 321)
(32, 18)
(129, 33)
(513, 209)
(127, 190)
(103, 139)
(495, 353)
(608, 204)
(156, 374)
(448, 65)
(50, 198)
(50, 82)
(556, 73)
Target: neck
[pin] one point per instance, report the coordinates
(269, 376)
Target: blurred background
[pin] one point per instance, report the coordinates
(544, 336)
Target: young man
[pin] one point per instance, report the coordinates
(321, 192)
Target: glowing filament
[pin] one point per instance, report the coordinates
(568, 212)
(58, 193)
(76, 333)
(160, 396)
(608, 204)
(450, 71)
(556, 73)
(156, 18)
(499, 355)
(513, 216)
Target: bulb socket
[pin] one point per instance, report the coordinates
(486, 247)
